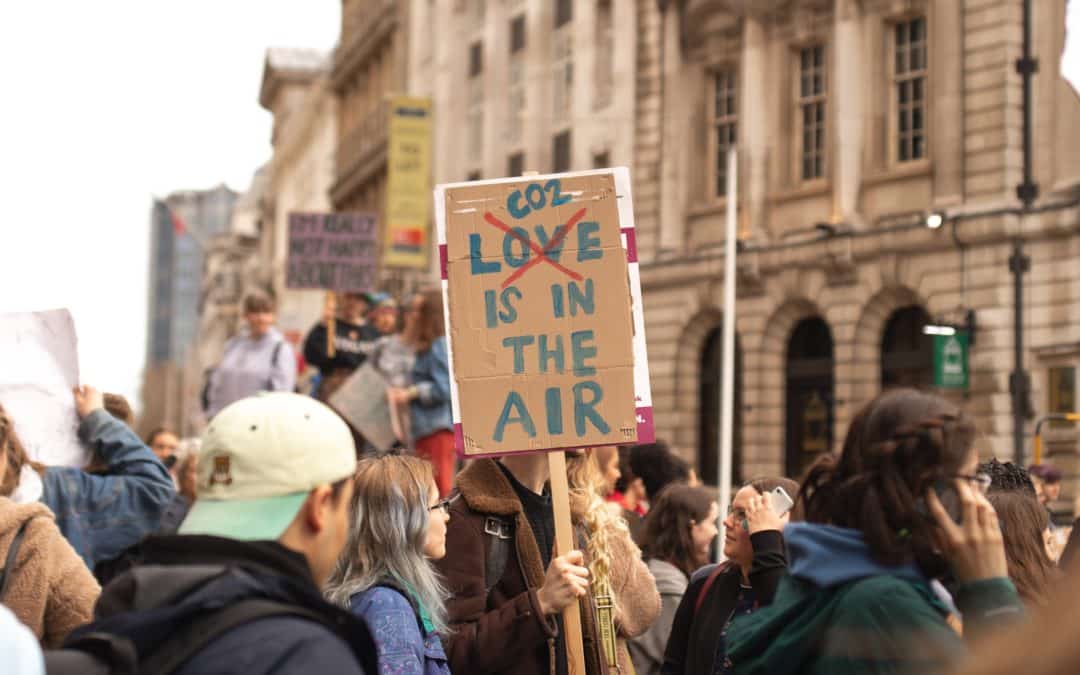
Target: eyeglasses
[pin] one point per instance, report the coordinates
(981, 481)
(443, 504)
(737, 512)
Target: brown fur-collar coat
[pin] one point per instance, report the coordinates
(504, 631)
(50, 589)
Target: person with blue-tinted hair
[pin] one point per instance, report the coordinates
(385, 574)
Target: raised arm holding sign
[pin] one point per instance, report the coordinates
(547, 345)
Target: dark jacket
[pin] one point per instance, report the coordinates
(502, 631)
(352, 343)
(431, 376)
(103, 515)
(839, 611)
(692, 646)
(405, 647)
(183, 577)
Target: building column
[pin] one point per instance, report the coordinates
(846, 89)
(946, 22)
(675, 119)
(754, 137)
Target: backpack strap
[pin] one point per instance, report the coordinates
(705, 587)
(9, 562)
(193, 637)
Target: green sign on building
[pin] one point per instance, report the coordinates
(951, 361)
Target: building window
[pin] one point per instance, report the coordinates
(515, 164)
(473, 175)
(604, 75)
(517, 33)
(601, 160)
(564, 12)
(812, 88)
(909, 82)
(563, 70)
(724, 127)
(476, 58)
(560, 152)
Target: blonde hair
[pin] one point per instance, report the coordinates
(387, 531)
(14, 454)
(587, 507)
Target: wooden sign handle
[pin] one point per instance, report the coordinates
(331, 302)
(564, 543)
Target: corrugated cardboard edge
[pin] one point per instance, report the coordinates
(646, 429)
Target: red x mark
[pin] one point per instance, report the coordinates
(541, 253)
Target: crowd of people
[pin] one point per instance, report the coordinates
(281, 541)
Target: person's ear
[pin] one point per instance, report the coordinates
(318, 507)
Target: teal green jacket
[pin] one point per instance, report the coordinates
(840, 612)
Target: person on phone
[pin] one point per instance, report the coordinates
(899, 507)
(744, 582)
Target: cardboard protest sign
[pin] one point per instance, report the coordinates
(332, 251)
(543, 309)
(39, 368)
(362, 400)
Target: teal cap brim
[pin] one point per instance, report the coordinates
(246, 520)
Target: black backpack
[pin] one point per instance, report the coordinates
(108, 654)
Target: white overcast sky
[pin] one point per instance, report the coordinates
(106, 104)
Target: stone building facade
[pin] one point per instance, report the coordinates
(854, 120)
(525, 85)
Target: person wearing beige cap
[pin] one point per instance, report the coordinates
(237, 590)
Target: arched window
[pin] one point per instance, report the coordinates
(810, 399)
(907, 353)
(709, 410)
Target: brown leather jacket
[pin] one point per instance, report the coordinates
(504, 631)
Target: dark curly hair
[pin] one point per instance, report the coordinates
(657, 467)
(1008, 477)
(897, 447)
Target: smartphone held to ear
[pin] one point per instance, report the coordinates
(780, 501)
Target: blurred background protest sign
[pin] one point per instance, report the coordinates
(408, 183)
(39, 368)
(547, 345)
(363, 402)
(332, 251)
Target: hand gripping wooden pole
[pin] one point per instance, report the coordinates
(564, 543)
(331, 303)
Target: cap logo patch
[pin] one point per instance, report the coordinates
(222, 471)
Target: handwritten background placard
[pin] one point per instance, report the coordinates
(540, 314)
(332, 251)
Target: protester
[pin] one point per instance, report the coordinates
(617, 573)
(1007, 477)
(505, 610)
(164, 443)
(43, 580)
(677, 534)
(384, 313)
(858, 598)
(22, 653)
(1047, 480)
(629, 490)
(429, 394)
(118, 406)
(237, 591)
(1025, 528)
(352, 338)
(747, 581)
(185, 477)
(259, 359)
(385, 574)
(100, 515)
(657, 466)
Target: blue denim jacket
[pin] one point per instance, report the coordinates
(101, 516)
(403, 647)
(431, 376)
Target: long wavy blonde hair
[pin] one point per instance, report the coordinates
(588, 508)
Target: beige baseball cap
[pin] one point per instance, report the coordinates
(260, 458)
